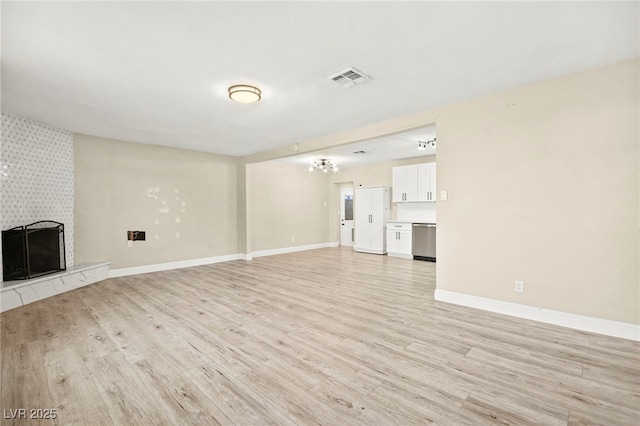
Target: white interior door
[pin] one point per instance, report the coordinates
(346, 217)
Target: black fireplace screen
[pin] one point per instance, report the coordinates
(33, 250)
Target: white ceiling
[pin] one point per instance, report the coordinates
(394, 147)
(157, 72)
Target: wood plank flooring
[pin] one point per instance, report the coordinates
(329, 337)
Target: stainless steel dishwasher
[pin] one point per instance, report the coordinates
(424, 241)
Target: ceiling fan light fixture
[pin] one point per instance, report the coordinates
(245, 93)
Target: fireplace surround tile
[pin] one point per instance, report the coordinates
(37, 176)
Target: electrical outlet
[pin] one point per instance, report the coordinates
(129, 243)
(519, 286)
(151, 192)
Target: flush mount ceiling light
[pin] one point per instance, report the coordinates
(423, 145)
(324, 165)
(244, 93)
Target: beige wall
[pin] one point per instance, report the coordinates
(287, 206)
(543, 187)
(194, 215)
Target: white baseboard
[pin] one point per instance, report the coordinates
(549, 316)
(367, 250)
(122, 272)
(294, 249)
(400, 255)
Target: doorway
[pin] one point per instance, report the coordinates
(346, 217)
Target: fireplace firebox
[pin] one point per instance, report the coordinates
(33, 250)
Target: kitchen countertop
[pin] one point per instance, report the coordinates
(406, 221)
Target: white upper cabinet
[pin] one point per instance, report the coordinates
(427, 182)
(416, 182)
(405, 184)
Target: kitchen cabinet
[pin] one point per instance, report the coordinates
(372, 211)
(405, 183)
(427, 182)
(399, 240)
(414, 183)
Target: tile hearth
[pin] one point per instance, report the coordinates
(19, 293)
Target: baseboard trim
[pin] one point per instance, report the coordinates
(366, 250)
(123, 272)
(285, 250)
(579, 322)
(400, 255)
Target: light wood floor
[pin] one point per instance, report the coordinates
(326, 337)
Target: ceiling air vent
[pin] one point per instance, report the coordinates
(349, 77)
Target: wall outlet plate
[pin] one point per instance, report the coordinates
(519, 286)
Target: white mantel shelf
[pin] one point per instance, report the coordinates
(19, 293)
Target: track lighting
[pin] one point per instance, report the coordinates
(422, 145)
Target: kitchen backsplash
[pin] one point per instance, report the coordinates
(416, 212)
